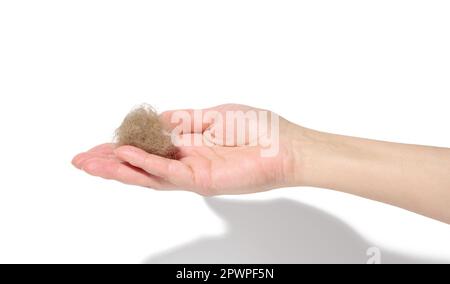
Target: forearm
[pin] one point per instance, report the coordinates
(413, 177)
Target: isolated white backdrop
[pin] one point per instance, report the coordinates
(70, 71)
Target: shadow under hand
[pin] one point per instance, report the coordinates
(278, 231)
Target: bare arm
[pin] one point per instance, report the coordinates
(413, 177)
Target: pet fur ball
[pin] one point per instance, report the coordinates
(142, 128)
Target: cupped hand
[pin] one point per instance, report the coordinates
(213, 169)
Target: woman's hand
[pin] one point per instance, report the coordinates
(234, 168)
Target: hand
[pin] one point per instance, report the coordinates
(217, 169)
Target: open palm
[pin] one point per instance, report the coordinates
(207, 170)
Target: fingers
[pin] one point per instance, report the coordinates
(110, 169)
(172, 171)
(104, 150)
(81, 158)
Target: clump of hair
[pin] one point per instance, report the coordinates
(143, 129)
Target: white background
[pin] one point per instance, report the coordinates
(70, 71)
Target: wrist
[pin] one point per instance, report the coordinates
(300, 143)
(313, 154)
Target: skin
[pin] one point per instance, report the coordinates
(416, 178)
